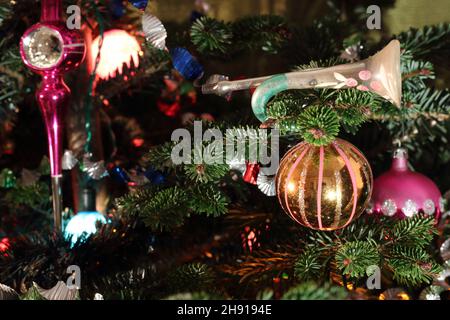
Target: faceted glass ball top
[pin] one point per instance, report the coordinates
(43, 47)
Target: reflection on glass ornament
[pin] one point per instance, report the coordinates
(445, 251)
(69, 161)
(431, 293)
(85, 222)
(98, 296)
(402, 193)
(324, 187)
(394, 294)
(118, 48)
(43, 47)
(443, 276)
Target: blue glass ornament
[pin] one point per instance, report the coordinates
(140, 4)
(186, 64)
(83, 225)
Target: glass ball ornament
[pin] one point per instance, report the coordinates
(324, 187)
(402, 193)
(82, 225)
(85, 222)
(43, 47)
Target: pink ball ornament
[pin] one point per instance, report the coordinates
(402, 193)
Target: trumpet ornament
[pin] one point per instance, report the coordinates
(379, 73)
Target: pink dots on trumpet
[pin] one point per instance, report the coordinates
(376, 85)
(350, 82)
(365, 75)
(362, 88)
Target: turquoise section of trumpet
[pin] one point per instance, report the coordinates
(265, 92)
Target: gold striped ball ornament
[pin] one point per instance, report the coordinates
(324, 187)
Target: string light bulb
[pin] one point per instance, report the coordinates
(118, 48)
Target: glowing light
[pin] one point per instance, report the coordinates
(83, 224)
(387, 295)
(138, 142)
(4, 246)
(106, 102)
(118, 48)
(404, 296)
(291, 186)
(331, 195)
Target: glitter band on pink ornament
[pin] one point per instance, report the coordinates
(403, 193)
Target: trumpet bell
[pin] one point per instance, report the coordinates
(385, 68)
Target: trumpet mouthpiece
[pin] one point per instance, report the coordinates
(210, 88)
(214, 85)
